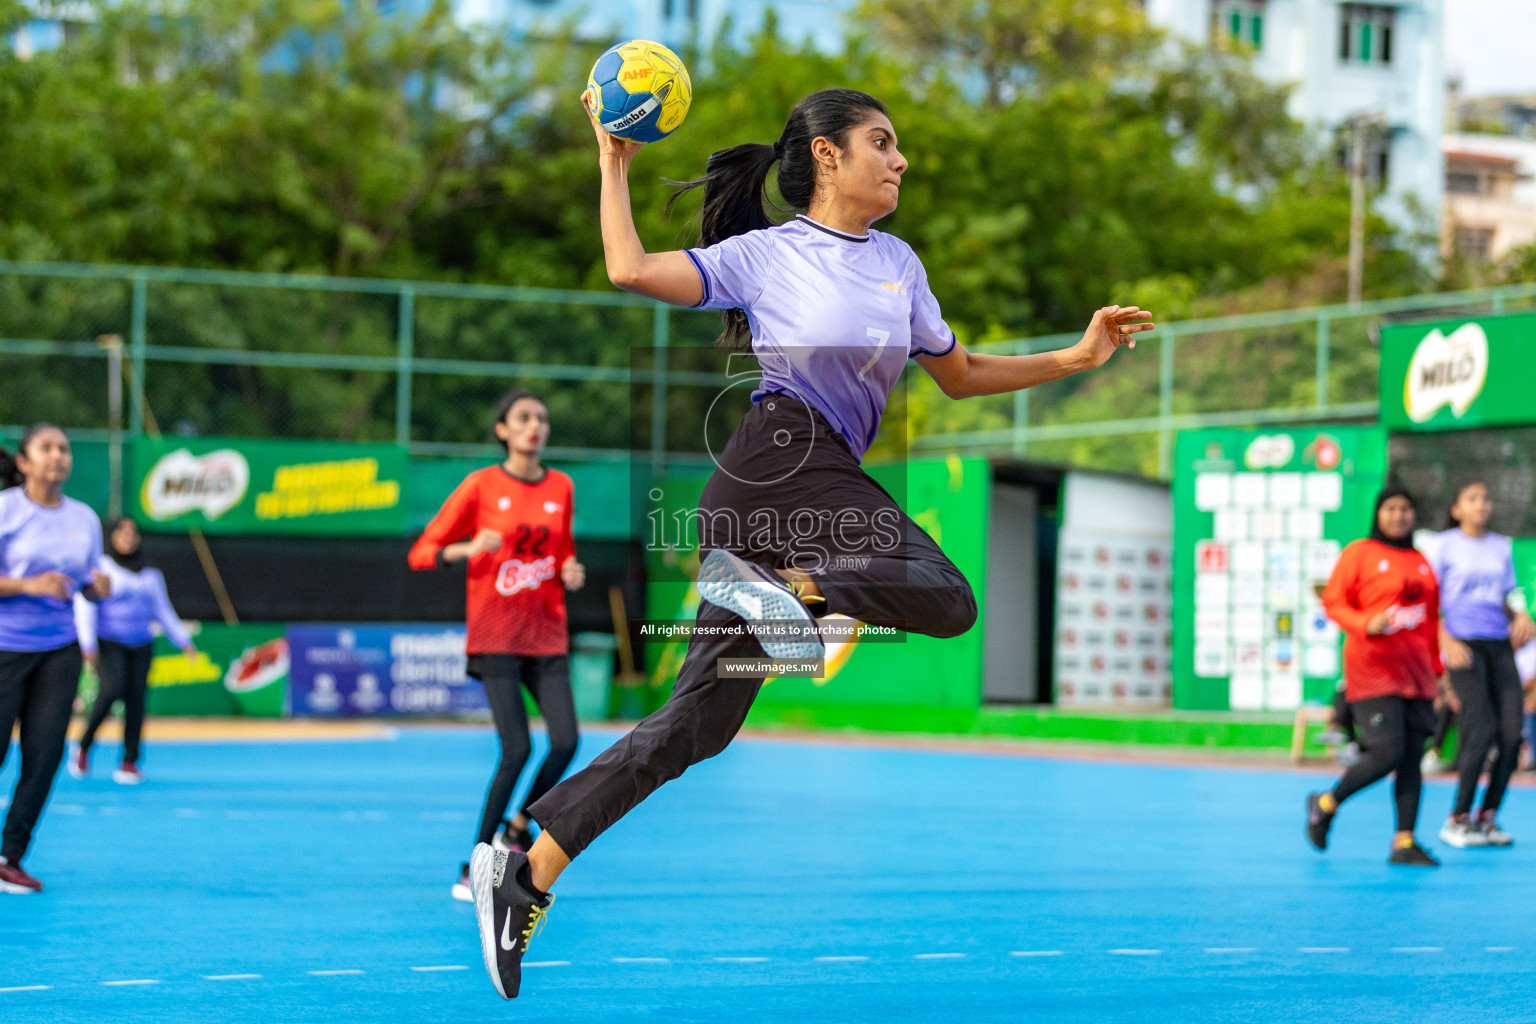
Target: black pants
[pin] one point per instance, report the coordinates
(37, 689)
(1492, 706)
(548, 679)
(1444, 718)
(784, 467)
(124, 675)
(1391, 732)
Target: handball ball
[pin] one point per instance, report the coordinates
(639, 90)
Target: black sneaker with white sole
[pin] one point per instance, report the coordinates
(764, 600)
(1319, 821)
(509, 911)
(1414, 856)
(509, 837)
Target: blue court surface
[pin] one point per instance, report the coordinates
(783, 881)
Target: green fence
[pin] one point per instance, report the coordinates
(419, 363)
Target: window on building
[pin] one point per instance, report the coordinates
(1474, 245)
(1365, 33)
(1463, 183)
(1238, 21)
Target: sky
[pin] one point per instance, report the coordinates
(1489, 44)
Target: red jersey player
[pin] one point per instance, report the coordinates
(512, 523)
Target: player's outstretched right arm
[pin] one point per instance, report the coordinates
(667, 276)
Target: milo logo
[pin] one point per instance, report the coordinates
(1446, 371)
(181, 483)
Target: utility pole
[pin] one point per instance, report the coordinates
(113, 343)
(1362, 123)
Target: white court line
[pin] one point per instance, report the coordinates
(185, 812)
(1134, 952)
(741, 959)
(548, 963)
(1417, 949)
(332, 974)
(27, 988)
(231, 977)
(67, 809)
(1325, 949)
(1498, 949)
(938, 956)
(1229, 949)
(134, 981)
(444, 967)
(1036, 952)
(840, 959)
(641, 960)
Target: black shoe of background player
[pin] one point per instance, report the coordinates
(509, 911)
(1319, 821)
(1414, 855)
(518, 840)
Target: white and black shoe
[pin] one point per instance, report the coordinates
(1488, 824)
(509, 911)
(461, 889)
(1461, 832)
(765, 601)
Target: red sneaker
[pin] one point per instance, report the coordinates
(16, 881)
(80, 764)
(128, 774)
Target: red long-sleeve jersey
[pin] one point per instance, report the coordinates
(1371, 578)
(516, 601)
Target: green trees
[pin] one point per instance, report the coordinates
(1063, 156)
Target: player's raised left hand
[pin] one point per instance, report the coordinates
(1111, 327)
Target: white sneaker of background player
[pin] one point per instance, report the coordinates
(1462, 834)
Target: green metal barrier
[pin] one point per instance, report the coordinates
(418, 363)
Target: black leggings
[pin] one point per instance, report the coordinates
(548, 678)
(1492, 707)
(37, 689)
(124, 675)
(1391, 732)
(785, 465)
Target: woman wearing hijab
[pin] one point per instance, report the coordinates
(117, 637)
(1384, 597)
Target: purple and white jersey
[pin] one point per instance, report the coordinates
(138, 601)
(834, 317)
(34, 539)
(1476, 575)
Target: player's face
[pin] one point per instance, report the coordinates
(47, 459)
(525, 428)
(1396, 517)
(870, 168)
(1473, 507)
(125, 539)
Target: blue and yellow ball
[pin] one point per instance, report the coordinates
(639, 90)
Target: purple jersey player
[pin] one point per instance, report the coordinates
(50, 546)
(1482, 622)
(795, 529)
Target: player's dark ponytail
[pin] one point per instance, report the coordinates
(10, 473)
(735, 180)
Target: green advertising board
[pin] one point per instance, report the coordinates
(1260, 517)
(237, 670)
(244, 486)
(1456, 374)
(947, 497)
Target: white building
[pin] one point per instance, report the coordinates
(1346, 60)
